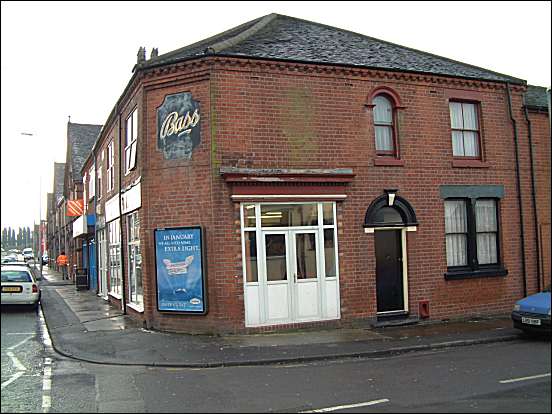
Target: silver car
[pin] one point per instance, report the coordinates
(19, 286)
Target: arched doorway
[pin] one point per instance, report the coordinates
(389, 217)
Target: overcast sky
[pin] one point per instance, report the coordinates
(65, 58)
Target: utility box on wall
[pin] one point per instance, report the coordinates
(423, 310)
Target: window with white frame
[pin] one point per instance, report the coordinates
(114, 247)
(84, 192)
(131, 141)
(100, 183)
(464, 124)
(259, 217)
(91, 183)
(471, 230)
(136, 290)
(110, 167)
(384, 125)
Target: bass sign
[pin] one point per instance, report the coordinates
(178, 126)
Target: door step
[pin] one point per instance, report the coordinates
(395, 320)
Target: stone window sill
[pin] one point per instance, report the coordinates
(388, 162)
(473, 274)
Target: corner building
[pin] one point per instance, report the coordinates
(299, 175)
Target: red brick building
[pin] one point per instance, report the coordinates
(333, 179)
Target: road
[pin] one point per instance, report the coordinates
(510, 377)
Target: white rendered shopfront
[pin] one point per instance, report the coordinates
(290, 262)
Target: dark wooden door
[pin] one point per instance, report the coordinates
(389, 277)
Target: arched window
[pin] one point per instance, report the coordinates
(384, 125)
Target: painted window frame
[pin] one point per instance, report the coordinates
(100, 179)
(110, 166)
(131, 141)
(133, 250)
(91, 183)
(394, 153)
(114, 258)
(473, 268)
(320, 228)
(479, 129)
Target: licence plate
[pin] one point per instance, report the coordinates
(530, 321)
(12, 289)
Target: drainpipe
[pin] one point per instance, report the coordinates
(533, 196)
(518, 185)
(95, 221)
(123, 287)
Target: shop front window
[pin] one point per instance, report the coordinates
(114, 238)
(136, 289)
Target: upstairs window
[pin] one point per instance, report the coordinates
(91, 183)
(131, 141)
(464, 124)
(100, 183)
(110, 167)
(384, 126)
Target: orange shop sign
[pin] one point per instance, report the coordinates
(75, 207)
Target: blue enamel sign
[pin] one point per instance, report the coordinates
(180, 274)
(178, 126)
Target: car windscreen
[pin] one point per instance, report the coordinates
(15, 276)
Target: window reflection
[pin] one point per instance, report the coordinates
(305, 246)
(275, 247)
(289, 215)
(329, 253)
(251, 256)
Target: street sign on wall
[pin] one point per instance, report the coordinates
(180, 273)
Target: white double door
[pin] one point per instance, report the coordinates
(291, 275)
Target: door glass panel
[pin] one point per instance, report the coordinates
(329, 253)
(251, 256)
(285, 215)
(305, 250)
(275, 248)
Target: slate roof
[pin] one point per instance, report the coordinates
(278, 37)
(536, 97)
(59, 180)
(80, 139)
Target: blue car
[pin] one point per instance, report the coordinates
(532, 314)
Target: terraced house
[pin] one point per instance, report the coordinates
(288, 174)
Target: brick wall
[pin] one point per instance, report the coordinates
(540, 128)
(290, 116)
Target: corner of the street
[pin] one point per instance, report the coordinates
(85, 327)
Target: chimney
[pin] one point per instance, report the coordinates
(141, 57)
(154, 53)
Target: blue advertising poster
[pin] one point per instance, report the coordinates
(180, 276)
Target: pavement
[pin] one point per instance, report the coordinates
(85, 327)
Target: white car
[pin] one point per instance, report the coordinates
(19, 286)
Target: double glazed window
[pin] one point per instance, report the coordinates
(464, 124)
(135, 260)
(131, 141)
(384, 126)
(316, 217)
(471, 233)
